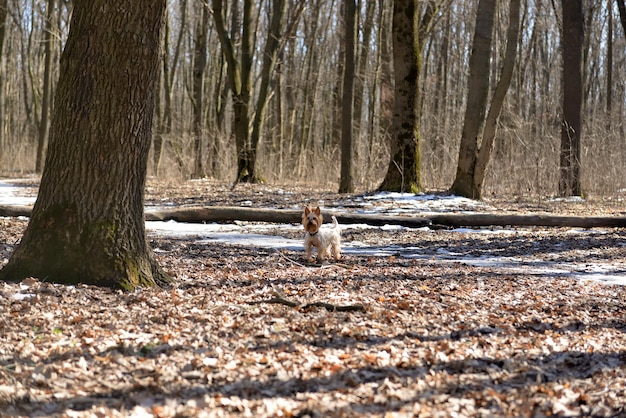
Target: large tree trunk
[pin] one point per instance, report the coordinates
(476, 100)
(572, 47)
(346, 182)
(87, 224)
(409, 35)
(482, 157)
(403, 172)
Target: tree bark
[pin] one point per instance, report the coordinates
(270, 57)
(621, 6)
(239, 77)
(497, 101)
(609, 65)
(346, 181)
(572, 47)
(477, 95)
(3, 18)
(87, 225)
(409, 35)
(199, 65)
(42, 140)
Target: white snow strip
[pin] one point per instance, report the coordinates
(250, 234)
(9, 195)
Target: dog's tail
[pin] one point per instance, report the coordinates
(335, 223)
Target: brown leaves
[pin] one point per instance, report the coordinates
(439, 337)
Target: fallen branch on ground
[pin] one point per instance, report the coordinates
(232, 213)
(328, 306)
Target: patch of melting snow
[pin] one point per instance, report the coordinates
(409, 203)
(10, 195)
(251, 234)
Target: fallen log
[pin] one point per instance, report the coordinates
(488, 219)
(456, 220)
(229, 214)
(14, 211)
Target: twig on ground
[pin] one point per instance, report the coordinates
(328, 306)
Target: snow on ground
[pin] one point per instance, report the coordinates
(403, 203)
(10, 195)
(251, 234)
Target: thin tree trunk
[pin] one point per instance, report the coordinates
(609, 65)
(363, 52)
(42, 141)
(476, 100)
(239, 76)
(270, 54)
(3, 18)
(489, 132)
(622, 14)
(199, 65)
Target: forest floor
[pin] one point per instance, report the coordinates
(467, 322)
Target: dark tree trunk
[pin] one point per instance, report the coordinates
(409, 34)
(3, 18)
(346, 183)
(572, 47)
(42, 139)
(403, 172)
(476, 147)
(239, 77)
(477, 95)
(621, 6)
(199, 64)
(87, 224)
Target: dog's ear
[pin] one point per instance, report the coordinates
(307, 210)
(318, 211)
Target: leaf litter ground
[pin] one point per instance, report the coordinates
(473, 324)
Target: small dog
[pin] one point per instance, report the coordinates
(326, 240)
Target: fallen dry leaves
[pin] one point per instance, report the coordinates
(435, 339)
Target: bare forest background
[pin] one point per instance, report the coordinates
(285, 59)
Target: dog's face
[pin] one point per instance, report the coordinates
(312, 220)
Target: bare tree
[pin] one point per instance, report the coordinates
(87, 224)
(622, 14)
(240, 79)
(410, 30)
(199, 65)
(572, 47)
(47, 86)
(476, 143)
(346, 181)
(164, 112)
(3, 25)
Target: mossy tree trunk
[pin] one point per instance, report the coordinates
(87, 225)
(409, 36)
